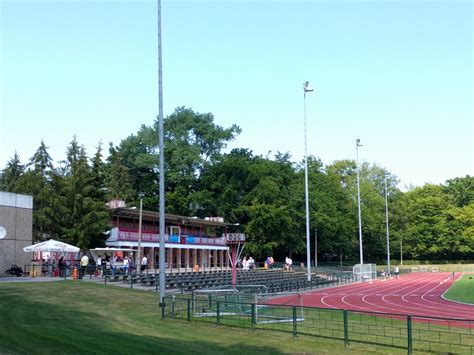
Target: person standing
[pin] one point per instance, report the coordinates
(144, 263)
(84, 264)
(126, 264)
(98, 265)
(62, 266)
(397, 271)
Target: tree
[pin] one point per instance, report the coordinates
(12, 174)
(81, 215)
(461, 190)
(192, 142)
(37, 182)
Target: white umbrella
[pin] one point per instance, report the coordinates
(51, 245)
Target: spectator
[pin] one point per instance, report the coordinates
(126, 264)
(99, 265)
(271, 262)
(397, 271)
(251, 263)
(84, 264)
(62, 266)
(144, 264)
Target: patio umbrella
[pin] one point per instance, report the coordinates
(50, 246)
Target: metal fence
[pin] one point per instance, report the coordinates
(410, 332)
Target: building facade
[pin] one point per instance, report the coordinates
(16, 229)
(190, 242)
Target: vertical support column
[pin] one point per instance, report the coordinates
(234, 265)
(178, 259)
(201, 262)
(295, 331)
(186, 259)
(170, 258)
(226, 260)
(195, 258)
(346, 328)
(151, 260)
(409, 336)
(221, 258)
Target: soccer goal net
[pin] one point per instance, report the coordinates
(364, 272)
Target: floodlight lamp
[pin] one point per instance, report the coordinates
(358, 143)
(306, 87)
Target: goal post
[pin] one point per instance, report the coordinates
(364, 272)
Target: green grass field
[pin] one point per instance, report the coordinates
(462, 290)
(80, 317)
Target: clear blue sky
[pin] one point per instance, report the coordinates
(396, 74)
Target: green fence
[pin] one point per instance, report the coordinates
(413, 333)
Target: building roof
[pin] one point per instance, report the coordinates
(169, 218)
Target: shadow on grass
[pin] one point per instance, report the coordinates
(44, 326)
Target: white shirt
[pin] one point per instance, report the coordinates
(144, 260)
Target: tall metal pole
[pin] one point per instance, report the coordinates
(306, 89)
(358, 200)
(386, 222)
(139, 252)
(401, 250)
(162, 165)
(315, 247)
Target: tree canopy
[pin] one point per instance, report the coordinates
(263, 194)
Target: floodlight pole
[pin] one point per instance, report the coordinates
(386, 222)
(315, 247)
(139, 252)
(358, 201)
(306, 88)
(162, 165)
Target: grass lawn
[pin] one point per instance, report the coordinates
(462, 290)
(83, 317)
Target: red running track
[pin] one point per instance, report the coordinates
(412, 294)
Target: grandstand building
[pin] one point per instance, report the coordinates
(189, 241)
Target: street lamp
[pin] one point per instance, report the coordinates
(306, 88)
(358, 200)
(162, 168)
(139, 252)
(386, 222)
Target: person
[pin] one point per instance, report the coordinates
(144, 263)
(131, 263)
(251, 263)
(271, 262)
(267, 263)
(126, 264)
(290, 264)
(61, 266)
(99, 265)
(397, 271)
(383, 274)
(245, 263)
(84, 264)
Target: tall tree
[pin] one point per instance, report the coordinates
(37, 181)
(82, 216)
(12, 174)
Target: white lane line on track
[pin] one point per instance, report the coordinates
(408, 307)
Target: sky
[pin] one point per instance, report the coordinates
(396, 74)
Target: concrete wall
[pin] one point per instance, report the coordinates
(16, 216)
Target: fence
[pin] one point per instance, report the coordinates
(410, 332)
